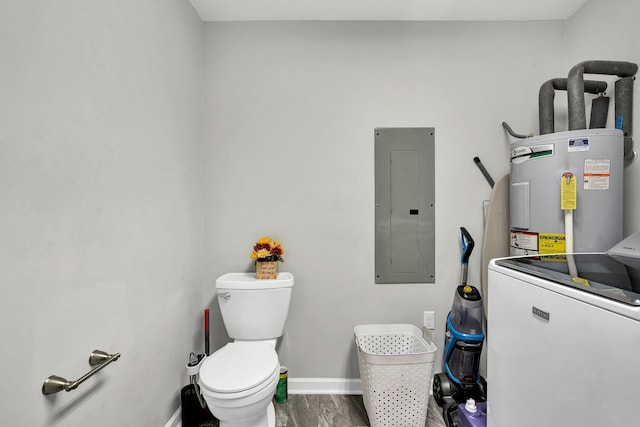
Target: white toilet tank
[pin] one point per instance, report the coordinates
(254, 309)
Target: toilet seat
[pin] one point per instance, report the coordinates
(240, 369)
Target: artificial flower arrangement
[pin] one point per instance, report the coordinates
(266, 250)
(267, 254)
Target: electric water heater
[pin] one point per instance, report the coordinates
(580, 171)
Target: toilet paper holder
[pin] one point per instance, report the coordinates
(97, 358)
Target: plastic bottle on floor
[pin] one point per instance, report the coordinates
(472, 414)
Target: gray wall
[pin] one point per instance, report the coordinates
(100, 218)
(288, 146)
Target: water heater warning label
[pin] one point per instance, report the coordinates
(597, 173)
(551, 243)
(524, 243)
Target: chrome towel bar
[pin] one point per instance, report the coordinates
(97, 358)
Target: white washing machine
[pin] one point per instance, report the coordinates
(563, 351)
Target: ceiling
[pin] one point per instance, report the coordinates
(385, 10)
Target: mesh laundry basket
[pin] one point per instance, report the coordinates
(396, 365)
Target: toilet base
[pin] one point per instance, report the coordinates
(271, 415)
(270, 420)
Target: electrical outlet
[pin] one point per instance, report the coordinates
(430, 320)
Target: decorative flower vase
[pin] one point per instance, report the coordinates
(266, 269)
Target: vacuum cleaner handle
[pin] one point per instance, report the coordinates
(467, 245)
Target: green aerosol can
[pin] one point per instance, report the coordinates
(281, 390)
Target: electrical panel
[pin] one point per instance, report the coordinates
(405, 205)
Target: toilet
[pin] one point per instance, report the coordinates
(239, 380)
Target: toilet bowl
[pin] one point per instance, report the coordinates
(238, 383)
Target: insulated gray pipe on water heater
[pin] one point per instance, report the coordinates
(546, 97)
(623, 96)
(624, 113)
(575, 88)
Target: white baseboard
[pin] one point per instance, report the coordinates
(301, 386)
(324, 386)
(176, 419)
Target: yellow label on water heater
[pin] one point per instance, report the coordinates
(568, 192)
(551, 243)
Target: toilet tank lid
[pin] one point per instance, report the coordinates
(249, 281)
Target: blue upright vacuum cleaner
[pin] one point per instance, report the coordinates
(464, 337)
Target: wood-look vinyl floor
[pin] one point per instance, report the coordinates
(329, 410)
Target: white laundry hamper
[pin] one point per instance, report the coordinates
(396, 367)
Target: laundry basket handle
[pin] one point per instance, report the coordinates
(426, 333)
